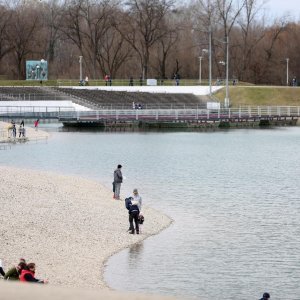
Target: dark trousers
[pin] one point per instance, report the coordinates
(134, 216)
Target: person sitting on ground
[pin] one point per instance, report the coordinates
(133, 210)
(27, 275)
(15, 272)
(266, 296)
(1, 269)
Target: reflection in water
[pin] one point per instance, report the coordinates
(134, 254)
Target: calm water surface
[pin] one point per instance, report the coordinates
(234, 197)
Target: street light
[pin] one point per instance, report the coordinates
(209, 50)
(287, 71)
(80, 68)
(200, 64)
(200, 71)
(227, 100)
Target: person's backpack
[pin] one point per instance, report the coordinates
(128, 202)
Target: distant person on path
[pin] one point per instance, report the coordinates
(176, 77)
(86, 80)
(28, 275)
(118, 179)
(15, 272)
(109, 80)
(106, 79)
(131, 81)
(141, 80)
(22, 123)
(36, 124)
(266, 296)
(133, 210)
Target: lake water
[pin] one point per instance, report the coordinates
(234, 197)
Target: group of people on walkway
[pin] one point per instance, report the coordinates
(133, 203)
(21, 272)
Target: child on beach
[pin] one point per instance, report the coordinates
(27, 275)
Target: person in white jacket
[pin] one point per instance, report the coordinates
(138, 198)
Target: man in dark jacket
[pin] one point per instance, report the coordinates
(118, 179)
(133, 210)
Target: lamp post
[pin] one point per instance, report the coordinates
(227, 100)
(209, 50)
(200, 69)
(80, 68)
(287, 71)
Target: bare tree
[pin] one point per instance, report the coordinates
(142, 27)
(23, 35)
(5, 17)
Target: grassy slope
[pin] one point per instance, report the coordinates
(255, 95)
(239, 95)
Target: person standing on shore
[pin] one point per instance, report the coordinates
(36, 124)
(138, 198)
(118, 179)
(133, 210)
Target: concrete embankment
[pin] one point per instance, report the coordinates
(21, 291)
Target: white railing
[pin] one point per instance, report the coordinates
(258, 112)
(35, 109)
(245, 112)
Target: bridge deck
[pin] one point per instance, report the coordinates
(184, 115)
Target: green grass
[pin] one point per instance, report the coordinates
(256, 95)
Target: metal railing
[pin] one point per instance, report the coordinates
(246, 112)
(33, 97)
(259, 112)
(34, 109)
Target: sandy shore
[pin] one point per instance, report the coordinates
(68, 226)
(31, 133)
(19, 291)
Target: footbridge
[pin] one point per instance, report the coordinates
(184, 117)
(264, 115)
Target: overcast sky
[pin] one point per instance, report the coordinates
(278, 8)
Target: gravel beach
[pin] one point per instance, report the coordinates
(68, 226)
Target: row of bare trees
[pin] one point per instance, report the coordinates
(148, 38)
